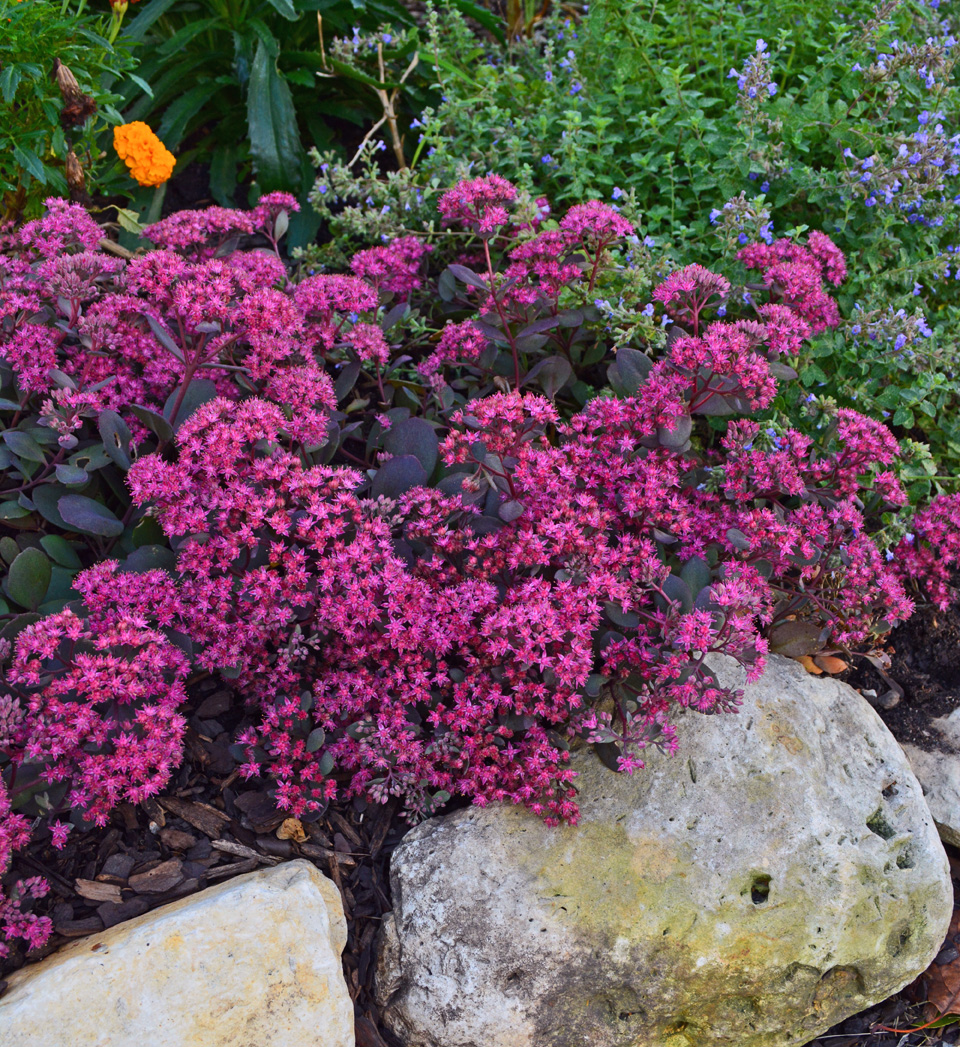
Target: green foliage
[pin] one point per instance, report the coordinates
(638, 104)
(237, 84)
(33, 143)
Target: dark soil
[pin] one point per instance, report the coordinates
(925, 664)
(210, 824)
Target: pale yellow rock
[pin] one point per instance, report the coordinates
(780, 873)
(253, 962)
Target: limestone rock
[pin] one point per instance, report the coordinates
(253, 962)
(780, 873)
(939, 775)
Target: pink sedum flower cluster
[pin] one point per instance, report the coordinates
(545, 577)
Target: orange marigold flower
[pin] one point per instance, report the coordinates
(149, 160)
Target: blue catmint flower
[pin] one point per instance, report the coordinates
(761, 46)
(752, 92)
(900, 342)
(648, 241)
(576, 88)
(546, 159)
(870, 201)
(548, 76)
(764, 187)
(617, 192)
(714, 215)
(647, 310)
(855, 329)
(771, 89)
(387, 38)
(721, 310)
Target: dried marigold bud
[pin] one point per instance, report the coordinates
(74, 172)
(77, 106)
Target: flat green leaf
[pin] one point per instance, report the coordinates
(24, 446)
(414, 436)
(285, 8)
(156, 423)
(29, 578)
(116, 438)
(10, 79)
(315, 739)
(12, 511)
(60, 551)
(146, 17)
(88, 516)
(199, 392)
(272, 124)
(72, 475)
(29, 161)
(396, 476)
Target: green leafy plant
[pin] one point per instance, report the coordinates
(59, 78)
(721, 120)
(234, 84)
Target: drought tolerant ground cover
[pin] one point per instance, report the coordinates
(557, 404)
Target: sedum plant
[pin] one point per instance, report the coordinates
(437, 530)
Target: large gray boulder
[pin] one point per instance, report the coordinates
(938, 771)
(780, 873)
(253, 962)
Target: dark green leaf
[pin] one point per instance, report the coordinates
(414, 436)
(396, 476)
(551, 374)
(71, 475)
(23, 445)
(676, 439)
(199, 392)
(609, 753)
(29, 578)
(150, 558)
(116, 438)
(272, 122)
(738, 540)
(60, 551)
(315, 739)
(89, 517)
(29, 161)
(154, 422)
(285, 8)
(10, 79)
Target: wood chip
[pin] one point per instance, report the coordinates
(244, 852)
(291, 829)
(346, 828)
(116, 869)
(177, 839)
(202, 816)
(99, 892)
(232, 870)
(113, 914)
(163, 877)
(78, 928)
